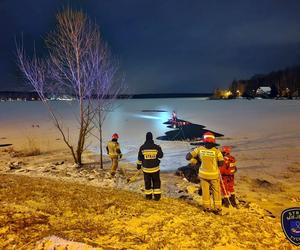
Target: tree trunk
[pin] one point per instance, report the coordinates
(101, 150)
(80, 138)
(101, 140)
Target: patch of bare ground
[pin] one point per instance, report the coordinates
(295, 168)
(267, 185)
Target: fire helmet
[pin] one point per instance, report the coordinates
(115, 136)
(209, 137)
(226, 149)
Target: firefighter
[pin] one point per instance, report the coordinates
(114, 152)
(174, 116)
(227, 171)
(148, 161)
(174, 119)
(211, 159)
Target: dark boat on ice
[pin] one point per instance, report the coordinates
(184, 131)
(174, 122)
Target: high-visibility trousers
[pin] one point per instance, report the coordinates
(228, 181)
(114, 165)
(152, 184)
(214, 186)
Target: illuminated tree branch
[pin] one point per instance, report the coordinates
(78, 64)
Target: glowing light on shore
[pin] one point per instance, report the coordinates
(227, 93)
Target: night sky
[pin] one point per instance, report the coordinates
(168, 46)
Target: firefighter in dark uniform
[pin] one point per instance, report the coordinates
(148, 161)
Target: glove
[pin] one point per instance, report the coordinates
(120, 155)
(193, 162)
(138, 166)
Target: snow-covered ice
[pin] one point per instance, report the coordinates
(241, 121)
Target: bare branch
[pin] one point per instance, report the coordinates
(79, 64)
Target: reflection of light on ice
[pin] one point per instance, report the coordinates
(158, 128)
(148, 117)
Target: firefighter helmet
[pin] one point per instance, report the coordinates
(209, 137)
(226, 149)
(115, 136)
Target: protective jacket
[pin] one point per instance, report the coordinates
(113, 149)
(148, 157)
(227, 171)
(209, 158)
(229, 166)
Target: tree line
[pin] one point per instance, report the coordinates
(283, 83)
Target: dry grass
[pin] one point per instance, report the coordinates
(8, 150)
(34, 152)
(30, 149)
(33, 208)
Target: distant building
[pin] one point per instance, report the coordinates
(18, 95)
(263, 90)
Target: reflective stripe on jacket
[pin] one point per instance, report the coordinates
(149, 155)
(229, 166)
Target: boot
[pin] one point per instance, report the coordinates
(200, 191)
(157, 197)
(233, 200)
(207, 210)
(217, 211)
(148, 196)
(225, 202)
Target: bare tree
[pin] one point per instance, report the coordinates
(109, 86)
(76, 65)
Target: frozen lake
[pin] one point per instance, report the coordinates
(237, 119)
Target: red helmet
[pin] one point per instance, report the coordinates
(115, 136)
(226, 149)
(209, 137)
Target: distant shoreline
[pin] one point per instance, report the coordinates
(31, 96)
(170, 95)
